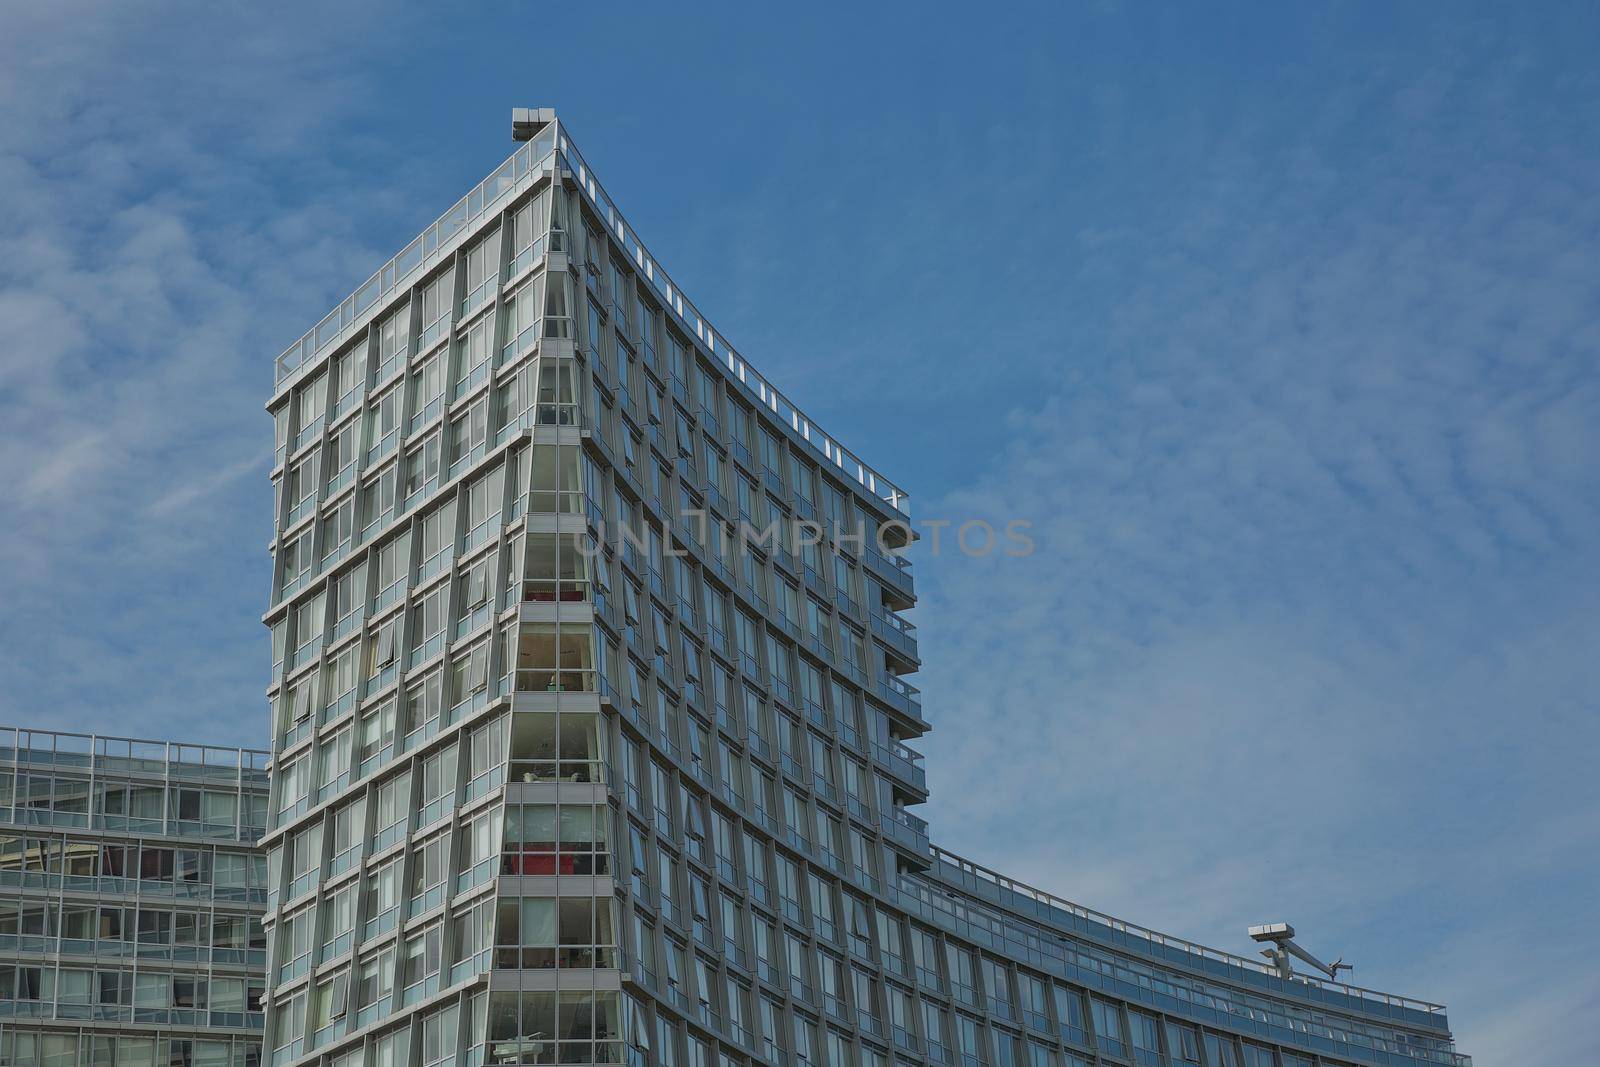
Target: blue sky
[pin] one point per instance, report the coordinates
(1278, 322)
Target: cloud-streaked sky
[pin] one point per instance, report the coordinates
(1279, 322)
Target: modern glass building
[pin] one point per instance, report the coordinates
(131, 897)
(589, 747)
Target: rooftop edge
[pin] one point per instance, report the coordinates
(543, 148)
(95, 744)
(1154, 937)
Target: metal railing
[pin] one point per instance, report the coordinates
(508, 180)
(696, 323)
(39, 749)
(977, 873)
(429, 248)
(896, 632)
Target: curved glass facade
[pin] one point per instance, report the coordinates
(593, 739)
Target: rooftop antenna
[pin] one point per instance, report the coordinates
(1281, 935)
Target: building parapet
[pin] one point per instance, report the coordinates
(976, 877)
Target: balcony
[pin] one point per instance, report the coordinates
(894, 572)
(895, 632)
(905, 764)
(899, 695)
(909, 832)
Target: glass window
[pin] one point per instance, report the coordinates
(1107, 1026)
(1183, 1044)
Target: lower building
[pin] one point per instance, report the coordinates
(131, 896)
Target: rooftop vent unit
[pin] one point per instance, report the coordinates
(526, 122)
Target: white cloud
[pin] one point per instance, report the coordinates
(158, 246)
(1311, 464)
(1314, 506)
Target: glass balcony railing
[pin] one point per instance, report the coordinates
(896, 632)
(904, 763)
(900, 695)
(893, 571)
(554, 769)
(436, 242)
